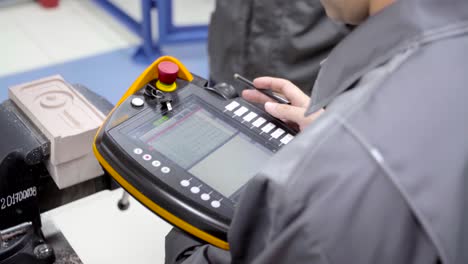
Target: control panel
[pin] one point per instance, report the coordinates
(186, 152)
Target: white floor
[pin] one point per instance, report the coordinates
(34, 37)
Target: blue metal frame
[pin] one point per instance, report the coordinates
(168, 32)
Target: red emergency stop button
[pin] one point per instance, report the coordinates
(168, 72)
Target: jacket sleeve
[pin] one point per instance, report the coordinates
(183, 248)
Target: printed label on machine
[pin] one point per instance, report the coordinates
(17, 197)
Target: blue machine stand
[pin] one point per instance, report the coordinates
(168, 32)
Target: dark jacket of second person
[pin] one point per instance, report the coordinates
(278, 38)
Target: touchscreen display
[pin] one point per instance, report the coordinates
(205, 146)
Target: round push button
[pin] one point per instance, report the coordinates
(138, 151)
(137, 102)
(185, 183)
(156, 163)
(195, 189)
(205, 197)
(216, 204)
(147, 157)
(168, 72)
(165, 169)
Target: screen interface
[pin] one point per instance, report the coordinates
(205, 146)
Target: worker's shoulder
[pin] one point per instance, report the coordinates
(433, 68)
(390, 122)
(419, 93)
(413, 90)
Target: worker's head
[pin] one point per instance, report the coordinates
(353, 11)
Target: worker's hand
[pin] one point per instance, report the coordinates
(293, 113)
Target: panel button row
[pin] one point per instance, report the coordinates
(233, 105)
(250, 116)
(203, 196)
(154, 163)
(278, 133)
(241, 111)
(268, 127)
(287, 138)
(259, 122)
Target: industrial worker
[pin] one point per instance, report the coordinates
(380, 175)
(279, 38)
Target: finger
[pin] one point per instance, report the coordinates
(255, 97)
(292, 113)
(293, 125)
(284, 87)
(310, 118)
(287, 112)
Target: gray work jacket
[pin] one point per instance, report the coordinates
(279, 38)
(382, 175)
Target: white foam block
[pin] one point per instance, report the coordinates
(68, 120)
